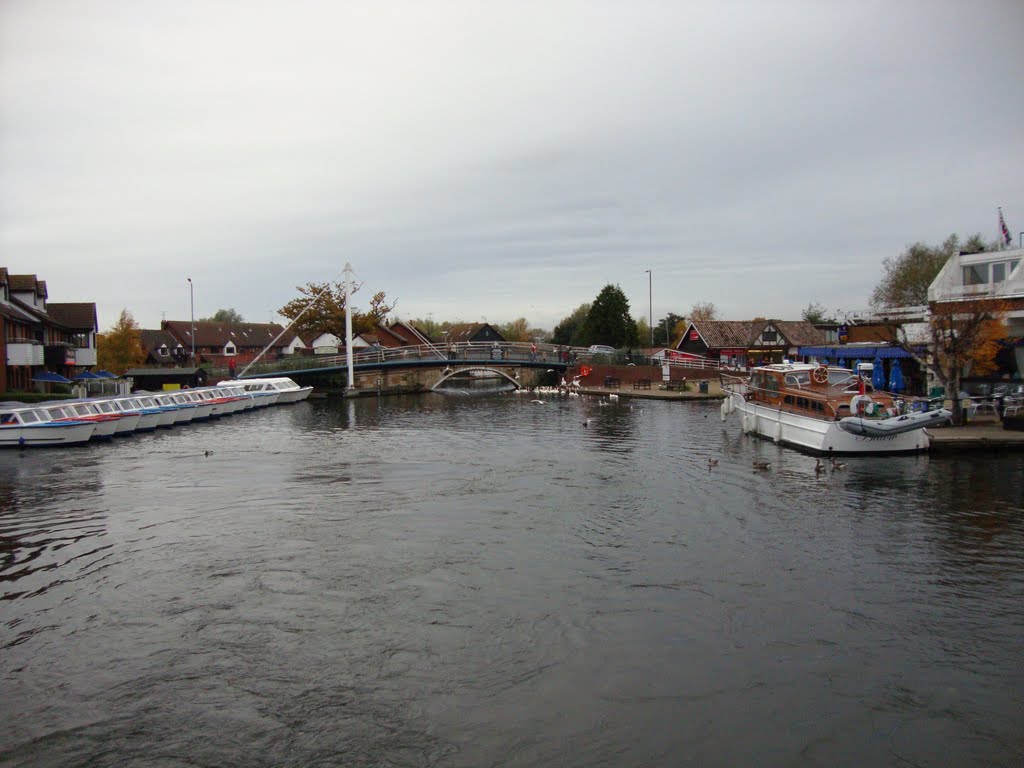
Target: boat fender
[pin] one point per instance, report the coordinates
(820, 375)
(859, 404)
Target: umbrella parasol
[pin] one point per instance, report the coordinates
(107, 375)
(896, 377)
(877, 373)
(54, 378)
(88, 375)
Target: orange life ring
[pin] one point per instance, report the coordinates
(820, 375)
(584, 370)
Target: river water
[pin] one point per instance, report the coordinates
(477, 581)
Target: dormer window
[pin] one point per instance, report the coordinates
(163, 351)
(230, 349)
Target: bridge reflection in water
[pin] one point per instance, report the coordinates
(476, 381)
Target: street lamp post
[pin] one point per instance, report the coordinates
(1021, 236)
(192, 309)
(650, 304)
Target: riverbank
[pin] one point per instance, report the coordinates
(714, 392)
(979, 435)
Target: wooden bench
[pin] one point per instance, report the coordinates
(675, 386)
(642, 384)
(612, 383)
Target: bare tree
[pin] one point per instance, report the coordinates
(703, 310)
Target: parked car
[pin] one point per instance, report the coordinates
(601, 349)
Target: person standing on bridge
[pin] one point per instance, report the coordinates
(533, 352)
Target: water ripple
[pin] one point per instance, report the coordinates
(466, 581)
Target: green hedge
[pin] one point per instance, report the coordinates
(33, 397)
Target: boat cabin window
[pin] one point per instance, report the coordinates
(839, 376)
(8, 418)
(29, 417)
(805, 403)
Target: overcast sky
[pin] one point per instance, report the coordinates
(499, 159)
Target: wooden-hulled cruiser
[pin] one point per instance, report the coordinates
(826, 410)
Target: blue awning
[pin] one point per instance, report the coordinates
(88, 375)
(107, 374)
(853, 353)
(49, 376)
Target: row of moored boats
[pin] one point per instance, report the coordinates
(73, 422)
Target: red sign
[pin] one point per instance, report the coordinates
(694, 336)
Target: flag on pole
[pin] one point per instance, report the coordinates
(1007, 240)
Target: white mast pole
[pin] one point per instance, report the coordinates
(348, 325)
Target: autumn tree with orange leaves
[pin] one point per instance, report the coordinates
(120, 348)
(960, 336)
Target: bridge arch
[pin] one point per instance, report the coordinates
(451, 372)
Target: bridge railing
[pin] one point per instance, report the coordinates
(469, 352)
(475, 351)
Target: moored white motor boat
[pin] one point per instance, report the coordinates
(129, 420)
(288, 391)
(24, 426)
(84, 410)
